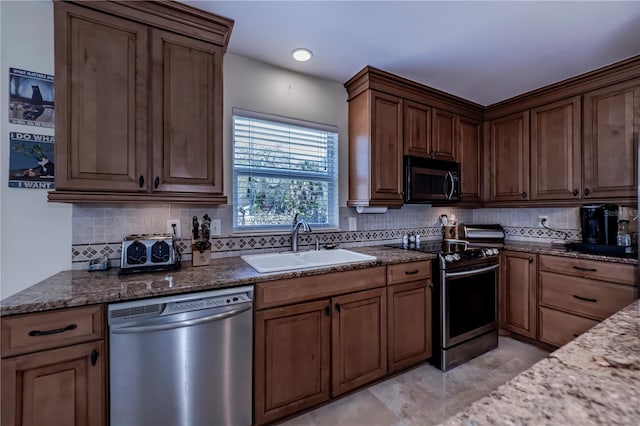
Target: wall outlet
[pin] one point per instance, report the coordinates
(353, 224)
(215, 227)
(542, 218)
(170, 224)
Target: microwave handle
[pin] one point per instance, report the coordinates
(449, 193)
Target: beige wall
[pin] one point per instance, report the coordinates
(259, 87)
(35, 235)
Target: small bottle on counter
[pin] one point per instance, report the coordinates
(417, 240)
(624, 237)
(405, 240)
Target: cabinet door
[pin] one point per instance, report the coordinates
(443, 138)
(469, 154)
(187, 114)
(359, 339)
(101, 89)
(611, 127)
(55, 387)
(510, 158)
(556, 154)
(417, 129)
(410, 340)
(292, 350)
(518, 287)
(386, 150)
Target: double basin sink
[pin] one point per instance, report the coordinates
(287, 261)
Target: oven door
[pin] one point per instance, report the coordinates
(469, 304)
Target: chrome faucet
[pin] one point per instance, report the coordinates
(297, 223)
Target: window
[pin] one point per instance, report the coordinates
(282, 167)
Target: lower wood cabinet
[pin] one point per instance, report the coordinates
(54, 368)
(559, 328)
(292, 359)
(410, 334)
(575, 294)
(55, 387)
(518, 293)
(409, 306)
(301, 349)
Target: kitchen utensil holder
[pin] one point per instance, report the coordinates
(200, 252)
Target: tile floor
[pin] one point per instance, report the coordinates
(425, 395)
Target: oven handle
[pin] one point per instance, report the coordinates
(470, 273)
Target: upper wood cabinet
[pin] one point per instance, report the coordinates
(556, 154)
(469, 154)
(417, 129)
(509, 158)
(443, 136)
(138, 102)
(187, 113)
(611, 132)
(375, 150)
(101, 85)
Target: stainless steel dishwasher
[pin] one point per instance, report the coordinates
(183, 360)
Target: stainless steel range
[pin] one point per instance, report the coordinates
(465, 319)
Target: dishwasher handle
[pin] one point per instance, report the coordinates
(187, 323)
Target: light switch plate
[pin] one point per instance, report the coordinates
(353, 224)
(215, 227)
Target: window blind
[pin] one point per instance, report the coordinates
(283, 166)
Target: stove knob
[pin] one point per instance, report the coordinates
(449, 258)
(496, 251)
(456, 256)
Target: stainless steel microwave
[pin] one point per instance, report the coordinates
(427, 180)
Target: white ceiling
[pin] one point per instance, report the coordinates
(481, 51)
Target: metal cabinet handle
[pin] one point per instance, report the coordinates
(586, 299)
(437, 153)
(327, 310)
(94, 357)
(430, 286)
(34, 333)
(338, 307)
(580, 268)
(586, 191)
(156, 182)
(411, 272)
(575, 192)
(524, 194)
(530, 259)
(141, 181)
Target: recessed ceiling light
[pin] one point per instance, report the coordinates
(302, 55)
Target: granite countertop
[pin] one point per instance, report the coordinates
(547, 248)
(78, 288)
(593, 380)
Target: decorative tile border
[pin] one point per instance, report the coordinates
(538, 234)
(81, 254)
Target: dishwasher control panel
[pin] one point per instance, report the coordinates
(210, 302)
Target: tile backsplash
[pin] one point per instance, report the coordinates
(98, 229)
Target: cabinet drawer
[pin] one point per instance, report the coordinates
(406, 272)
(293, 290)
(596, 299)
(46, 330)
(619, 273)
(558, 328)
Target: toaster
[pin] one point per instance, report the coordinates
(148, 252)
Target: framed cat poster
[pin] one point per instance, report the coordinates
(31, 98)
(31, 161)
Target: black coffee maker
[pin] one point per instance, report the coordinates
(599, 224)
